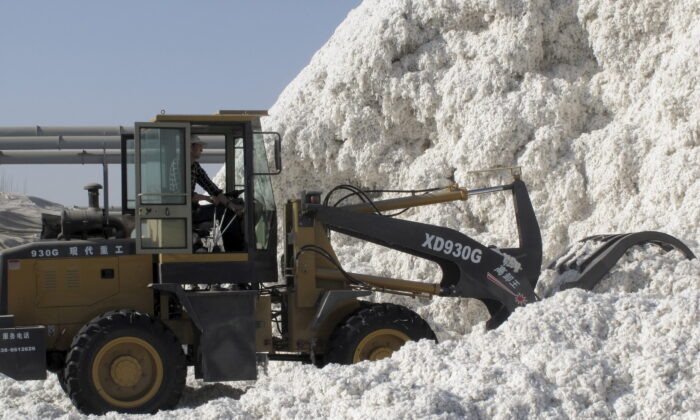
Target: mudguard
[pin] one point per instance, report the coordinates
(226, 324)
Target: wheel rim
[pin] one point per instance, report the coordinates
(127, 372)
(379, 344)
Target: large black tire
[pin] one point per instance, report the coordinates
(62, 380)
(124, 361)
(375, 332)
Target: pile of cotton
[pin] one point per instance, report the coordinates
(20, 218)
(597, 101)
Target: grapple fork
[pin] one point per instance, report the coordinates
(593, 267)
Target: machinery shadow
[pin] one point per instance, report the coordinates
(194, 397)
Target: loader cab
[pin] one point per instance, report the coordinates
(158, 159)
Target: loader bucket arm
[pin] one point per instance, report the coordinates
(530, 250)
(470, 269)
(595, 266)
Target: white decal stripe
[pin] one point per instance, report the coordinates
(498, 283)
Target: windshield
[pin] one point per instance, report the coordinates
(264, 199)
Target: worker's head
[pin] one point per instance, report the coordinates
(197, 147)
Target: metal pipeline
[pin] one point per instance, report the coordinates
(84, 157)
(59, 142)
(65, 142)
(42, 131)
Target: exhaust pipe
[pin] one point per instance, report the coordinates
(93, 195)
(91, 222)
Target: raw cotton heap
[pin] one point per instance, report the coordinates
(597, 100)
(20, 218)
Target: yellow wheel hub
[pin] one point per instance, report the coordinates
(379, 345)
(127, 372)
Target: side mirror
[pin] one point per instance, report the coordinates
(278, 153)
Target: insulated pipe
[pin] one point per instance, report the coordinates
(65, 142)
(41, 131)
(60, 142)
(83, 157)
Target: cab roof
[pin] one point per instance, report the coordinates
(219, 117)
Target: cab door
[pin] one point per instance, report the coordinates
(163, 196)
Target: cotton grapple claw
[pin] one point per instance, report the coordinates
(595, 265)
(503, 279)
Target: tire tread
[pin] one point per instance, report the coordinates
(102, 325)
(346, 336)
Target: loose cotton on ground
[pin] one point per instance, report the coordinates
(598, 102)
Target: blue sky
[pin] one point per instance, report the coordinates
(113, 63)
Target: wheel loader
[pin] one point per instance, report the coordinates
(119, 305)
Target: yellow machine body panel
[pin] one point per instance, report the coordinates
(220, 117)
(66, 293)
(263, 324)
(308, 287)
(73, 282)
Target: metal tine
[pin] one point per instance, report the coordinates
(608, 241)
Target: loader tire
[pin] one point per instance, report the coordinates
(375, 332)
(124, 361)
(62, 380)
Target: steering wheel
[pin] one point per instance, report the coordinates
(258, 206)
(233, 194)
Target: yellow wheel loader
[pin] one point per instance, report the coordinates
(118, 306)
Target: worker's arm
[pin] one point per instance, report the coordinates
(225, 201)
(200, 177)
(217, 196)
(201, 197)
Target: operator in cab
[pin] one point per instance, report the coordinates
(233, 237)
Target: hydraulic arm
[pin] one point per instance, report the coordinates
(499, 277)
(502, 278)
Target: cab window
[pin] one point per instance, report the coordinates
(264, 199)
